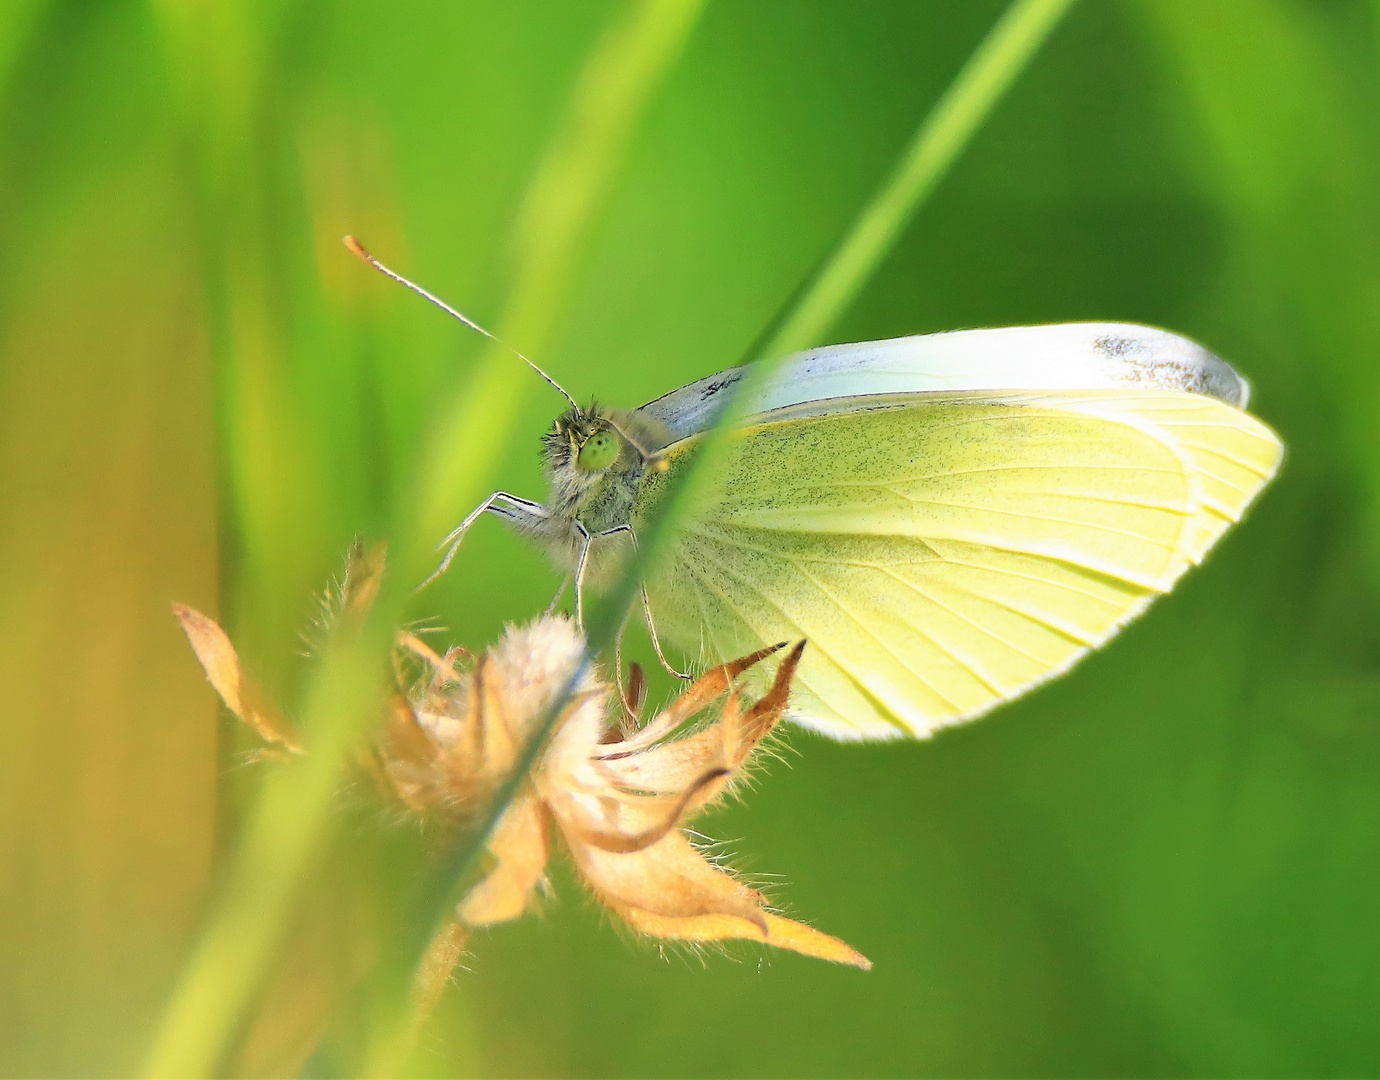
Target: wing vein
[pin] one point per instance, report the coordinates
(1025, 515)
(723, 535)
(818, 645)
(869, 632)
(958, 615)
(809, 484)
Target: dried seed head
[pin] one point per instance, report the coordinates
(456, 728)
(618, 801)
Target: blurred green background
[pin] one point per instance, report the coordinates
(1168, 863)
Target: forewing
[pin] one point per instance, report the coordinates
(943, 553)
(1061, 356)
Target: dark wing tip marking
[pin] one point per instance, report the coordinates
(1170, 361)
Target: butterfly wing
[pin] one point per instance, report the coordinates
(945, 551)
(1062, 356)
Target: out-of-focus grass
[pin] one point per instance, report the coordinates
(292, 815)
(108, 756)
(1165, 863)
(289, 818)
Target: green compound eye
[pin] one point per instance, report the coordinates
(599, 451)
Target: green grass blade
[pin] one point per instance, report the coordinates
(935, 146)
(468, 440)
(941, 137)
(291, 819)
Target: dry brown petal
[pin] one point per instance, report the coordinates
(670, 765)
(667, 768)
(240, 693)
(407, 758)
(781, 932)
(709, 686)
(669, 878)
(674, 764)
(664, 814)
(474, 748)
(442, 666)
(499, 740)
(766, 713)
(406, 738)
(363, 577)
(531, 667)
(521, 846)
(636, 695)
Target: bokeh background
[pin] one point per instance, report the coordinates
(1167, 863)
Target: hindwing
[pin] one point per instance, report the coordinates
(945, 552)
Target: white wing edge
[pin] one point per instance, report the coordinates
(1063, 356)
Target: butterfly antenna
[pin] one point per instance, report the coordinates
(358, 249)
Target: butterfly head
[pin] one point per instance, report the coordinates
(581, 441)
(595, 459)
(595, 440)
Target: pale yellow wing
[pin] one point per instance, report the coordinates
(943, 553)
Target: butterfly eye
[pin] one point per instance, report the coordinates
(599, 451)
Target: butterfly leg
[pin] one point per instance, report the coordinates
(656, 642)
(581, 561)
(647, 608)
(522, 512)
(634, 693)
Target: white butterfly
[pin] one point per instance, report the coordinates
(949, 520)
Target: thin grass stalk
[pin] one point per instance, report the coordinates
(950, 125)
(290, 821)
(942, 136)
(945, 132)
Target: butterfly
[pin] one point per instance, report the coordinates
(949, 519)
